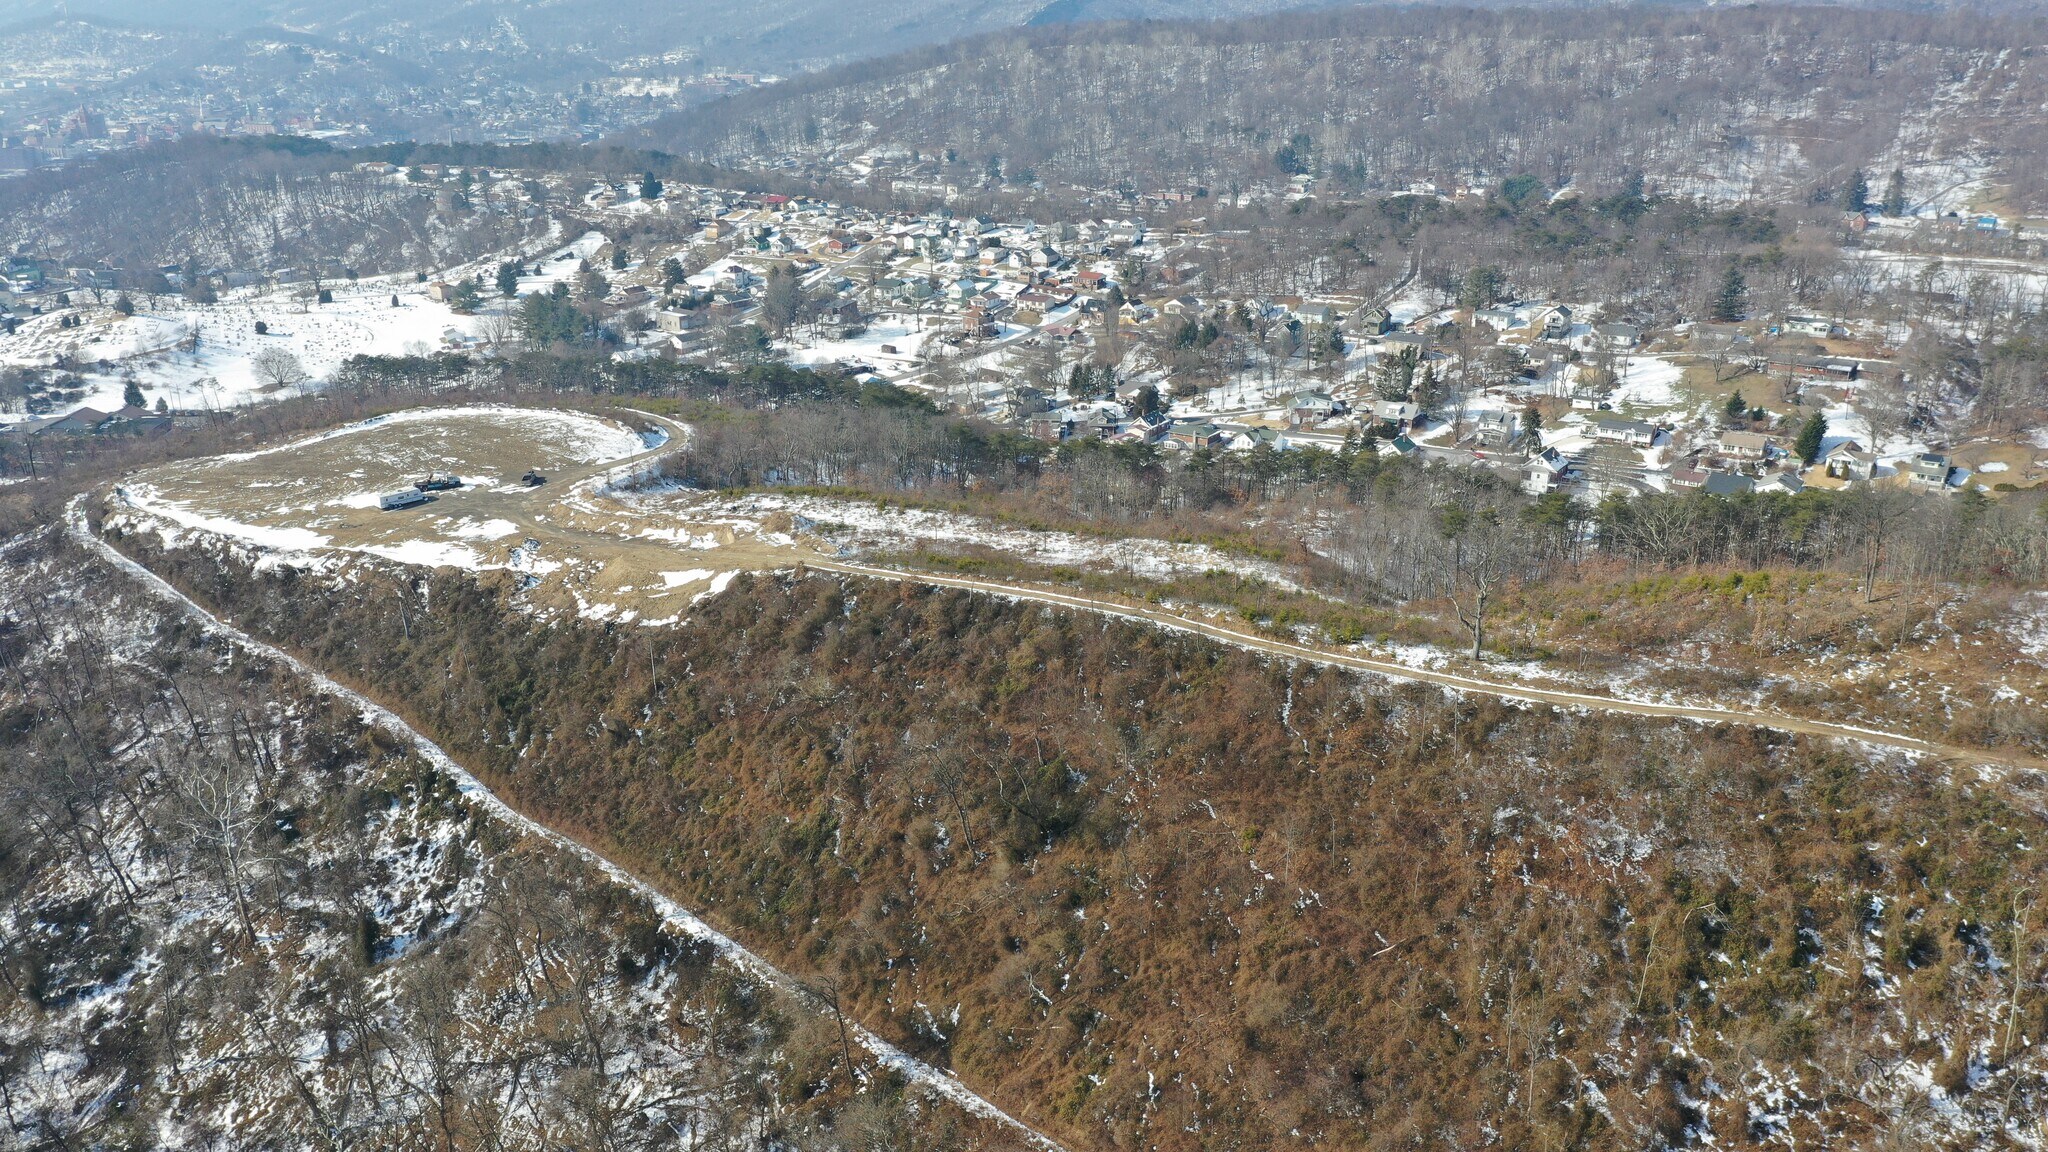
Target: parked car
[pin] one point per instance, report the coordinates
(533, 479)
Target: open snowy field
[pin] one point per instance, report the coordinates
(203, 356)
(856, 528)
(894, 341)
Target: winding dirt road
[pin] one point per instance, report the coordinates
(1131, 610)
(762, 558)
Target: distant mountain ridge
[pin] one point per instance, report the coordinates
(1729, 104)
(778, 34)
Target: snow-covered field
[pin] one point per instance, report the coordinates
(905, 333)
(860, 527)
(1648, 384)
(202, 356)
(574, 437)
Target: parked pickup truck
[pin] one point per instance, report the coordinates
(533, 479)
(437, 482)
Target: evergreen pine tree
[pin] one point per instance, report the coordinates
(1737, 406)
(1895, 194)
(1483, 285)
(1428, 391)
(508, 278)
(131, 394)
(1394, 375)
(1731, 299)
(1857, 196)
(1810, 436)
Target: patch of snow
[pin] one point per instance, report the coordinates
(467, 529)
(428, 554)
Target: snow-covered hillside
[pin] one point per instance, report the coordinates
(241, 906)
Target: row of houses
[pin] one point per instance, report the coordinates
(126, 421)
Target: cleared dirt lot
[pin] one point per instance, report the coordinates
(564, 539)
(585, 541)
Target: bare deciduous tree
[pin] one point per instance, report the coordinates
(278, 370)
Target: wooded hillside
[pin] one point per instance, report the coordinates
(1147, 891)
(1730, 103)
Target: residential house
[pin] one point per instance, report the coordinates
(733, 277)
(1727, 484)
(1747, 445)
(80, 422)
(915, 290)
(1241, 438)
(1787, 482)
(1617, 337)
(1148, 429)
(1027, 401)
(1813, 367)
(678, 321)
(1091, 424)
(1554, 323)
(1810, 326)
(1496, 428)
(1196, 434)
(977, 323)
(1371, 320)
(1928, 470)
(841, 319)
(133, 420)
(1624, 431)
(1310, 408)
(1688, 476)
(1849, 463)
(1051, 425)
(1498, 319)
(1544, 471)
(1397, 412)
(1591, 399)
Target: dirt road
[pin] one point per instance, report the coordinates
(611, 553)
